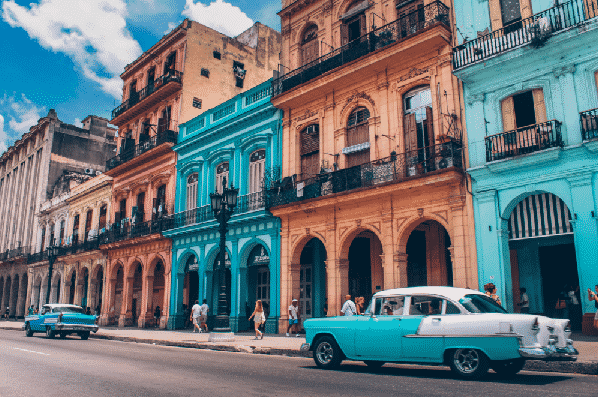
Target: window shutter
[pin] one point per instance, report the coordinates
(495, 14)
(410, 132)
(362, 24)
(430, 125)
(344, 34)
(526, 9)
(310, 140)
(596, 74)
(508, 114)
(539, 106)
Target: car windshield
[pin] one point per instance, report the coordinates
(68, 310)
(481, 304)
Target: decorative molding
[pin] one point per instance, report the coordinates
(560, 72)
(308, 113)
(442, 215)
(358, 222)
(401, 222)
(420, 212)
(414, 72)
(475, 98)
(356, 96)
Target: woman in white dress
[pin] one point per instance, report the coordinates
(258, 318)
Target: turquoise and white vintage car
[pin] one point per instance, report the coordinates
(461, 328)
(59, 319)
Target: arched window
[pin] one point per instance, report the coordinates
(61, 236)
(75, 230)
(52, 237)
(221, 176)
(192, 191)
(358, 137)
(103, 217)
(309, 45)
(354, 22)
(88, 218)
(310, 151)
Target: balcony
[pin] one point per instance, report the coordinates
(144, 99)
(14, 253)
(138, 150)
(534, 30)
(37, 257)
(121, 231)
(91, 244)
(393, 169)
(589, 124)
(524, 140)
(246, 203)
(404, 27)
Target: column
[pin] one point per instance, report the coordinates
(21, 299)
(458, 235)
(176, 318)
(475, 127)
(126, 314)
(108, 301)
(571, 130)
(400, 261)
(147, 294)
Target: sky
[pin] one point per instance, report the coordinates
(68, 54)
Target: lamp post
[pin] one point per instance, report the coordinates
(52, 251)
(223, 206)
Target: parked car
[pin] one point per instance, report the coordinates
(461, 328)
(59, 319)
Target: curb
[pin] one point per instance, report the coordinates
(530, 365)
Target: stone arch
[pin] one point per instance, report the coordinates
(211, 256)
(410, 225)
(342, 8)
(301, 242)
(308, 24)
(14, 294)
(153, 260)
(131, 267)
(249, 246)
(1, 293)
(114, 268)
(347, 238)
(57, 282)
(354, 102)
(183, 258)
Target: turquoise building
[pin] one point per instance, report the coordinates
(529, 74)
(233, 143)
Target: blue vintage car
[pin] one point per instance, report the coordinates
(461, 328)
(59, 319)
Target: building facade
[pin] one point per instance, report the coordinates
(232, 144)
(191, 69)
(372, 193)
(530, 97)
(31, 171)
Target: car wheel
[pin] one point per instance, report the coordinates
(508, 367)
(28, 331)
(469, 363)
(327, 353)
(374, 364)
(62, 335)
(84, 335)
(50, 333)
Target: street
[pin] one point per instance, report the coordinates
(40, 366)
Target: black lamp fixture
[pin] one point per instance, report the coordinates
(52, 253)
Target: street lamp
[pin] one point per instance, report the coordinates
(223, 206)
(52, 252)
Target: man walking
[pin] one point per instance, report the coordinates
(195, 314)
(348, 307)
(293, 317)
(203, 318)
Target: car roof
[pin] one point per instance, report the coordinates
(53, 305)
(449, 292)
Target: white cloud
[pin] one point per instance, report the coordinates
(267, 15)
(3, 136)
(219, 15)
(171, 25)
(92, 32)
(21, 113)
(78, 123)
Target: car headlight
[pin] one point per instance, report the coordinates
(568, 326)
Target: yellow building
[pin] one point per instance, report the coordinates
(372, 194)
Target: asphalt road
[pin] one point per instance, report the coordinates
(42, 367)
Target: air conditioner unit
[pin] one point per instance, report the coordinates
(89, 171)
(98, 172)
(444, 162)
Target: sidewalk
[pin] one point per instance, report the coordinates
(587, 361)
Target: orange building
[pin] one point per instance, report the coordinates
(372, 193)
(191, 69)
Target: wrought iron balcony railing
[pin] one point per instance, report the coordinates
(136, 97)
(393, 169)
(14, 253)
(37, 257)
(589, 124)
(524, 140)
(397, 30)
(137, 150)
(126, 230)
(534, 30)
(246, 203)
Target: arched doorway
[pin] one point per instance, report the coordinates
(365, 265)
(116, 309)
(137, 290)
(84, 287)
(55, 297)
(36, 292)
(72, 288)
(97, 289)
(6, 297)
(312, 280)
(215, 284)
(23, 300)
(542, 255)
(190, 285)
(157, 294)
(428, 256)
(1, 293)
(258, 279)
(14, 296)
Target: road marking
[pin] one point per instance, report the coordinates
(30, 351)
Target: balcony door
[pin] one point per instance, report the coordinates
(419, 130)
(309, 45)
(257, 161)
(358, 132)
(510, 11)
(221, 177)
(192, 183)
(354, 22)
(411, 17)
(164, 121)
(310, 151)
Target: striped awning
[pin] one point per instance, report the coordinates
(539, 215)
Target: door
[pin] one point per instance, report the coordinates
(378, 336)
(415, 348)
(305, 292)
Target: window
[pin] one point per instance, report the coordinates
(140, 209)
(52, 242)
(310, 151)
(197, 103)
(221, 176)
(133, 95)
(239, 72)
(257, 161)
(358, 133)
(389, 306)
(411, 17)
(159, 208)
(122, 213)
(61, 241)
(151, 77)
(425, 305)
(475, 303)
(164, 121)
(169, 65)
(192, 191)
(309, 45)
(217, 55)
(205, 72)
(88, 218)
(354, 22)
(75, 230)
(510, 11)
(144, 135)
(43, 238)
(523, 109)
(419, 131)
(103, 220)
(451, 308)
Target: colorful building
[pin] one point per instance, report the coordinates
(530, 95)
(231, 144)
(372, 193)
(191, 69)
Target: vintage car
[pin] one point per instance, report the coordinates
(59, 319)
(461, 328)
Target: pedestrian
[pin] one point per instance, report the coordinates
(359, 305)
(266, 307)
(293, 317)
(490, 289)
(157, 314)
(30, 310)
(593, 296)
(88, 311)
(562, 303)
(7, 313)
(195, 313)
(523, 301)
(258, 318)
(348, 308)
(203, 318)
(97, 310)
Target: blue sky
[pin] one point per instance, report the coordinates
(68, 54)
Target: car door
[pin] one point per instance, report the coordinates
(38, 323)
(379, 336)
(416, 347)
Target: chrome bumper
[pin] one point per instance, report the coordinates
(305, 347)
(550, 353)
(76, 327)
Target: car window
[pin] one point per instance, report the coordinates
(478, 303)
(69, 310)
(45, 310)
(425, 305)
(451, 308)
(390, 306)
